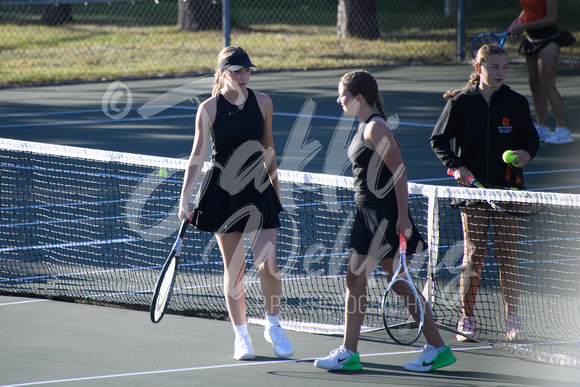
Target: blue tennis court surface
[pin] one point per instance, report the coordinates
(62, 344)
(46, 342)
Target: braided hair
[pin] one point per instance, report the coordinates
(363, 83)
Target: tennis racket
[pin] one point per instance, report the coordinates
(487, 38)
(402, 326)
(164, 286)
(507, 207)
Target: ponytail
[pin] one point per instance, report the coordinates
(474, 78)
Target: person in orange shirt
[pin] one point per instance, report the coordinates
(541, 49)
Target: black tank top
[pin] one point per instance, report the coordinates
(233, 127)
(363, 160)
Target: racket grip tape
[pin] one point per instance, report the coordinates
(472, 180)
(402, 242)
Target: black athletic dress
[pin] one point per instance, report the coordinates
(376, 218)
(236, 193)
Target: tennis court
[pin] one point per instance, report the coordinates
(49, 342)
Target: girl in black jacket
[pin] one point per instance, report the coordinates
(485, 119)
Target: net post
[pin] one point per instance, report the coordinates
(432, 242)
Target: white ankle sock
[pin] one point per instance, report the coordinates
(241, 329)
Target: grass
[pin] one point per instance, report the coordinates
(140, 39)
(92, 52)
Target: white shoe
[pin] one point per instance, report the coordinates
(543, 132)
(560, 136)
(243, 348)
(515, 331)
(431, 359)
(276, 336)
(466, 329)
(340, 360)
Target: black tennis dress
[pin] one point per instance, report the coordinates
(376, 218)
(236, 193)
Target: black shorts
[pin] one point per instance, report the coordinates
(374, 233)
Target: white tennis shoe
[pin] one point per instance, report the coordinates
(276, 336)
(340, 359)
(243, 348)
(543, 132)
(466, 329)
(560, 136)
(514, 328)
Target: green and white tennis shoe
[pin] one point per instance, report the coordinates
(341, 359)
(431, 359)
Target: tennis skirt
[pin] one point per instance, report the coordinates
(374, 232)
(249, 209)
(538, 39)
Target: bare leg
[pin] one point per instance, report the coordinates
(232, 248)
(505, 243)
(357, 276)
(475, 221)
(264, 252)
(538, 95)
(547, 66)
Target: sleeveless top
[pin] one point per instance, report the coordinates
(539, 38)
(533, 10)
(373, 181)
(236, 191)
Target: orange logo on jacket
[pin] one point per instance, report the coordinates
(505, 126)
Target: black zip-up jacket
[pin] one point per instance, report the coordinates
(482, 132)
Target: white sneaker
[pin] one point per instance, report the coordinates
(340, 360)
(543, 132)
(276, 336)
(514, 328)
(243, 348)
(560, 136)
(466, 329)
(431, 359)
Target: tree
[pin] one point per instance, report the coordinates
(197, 15)
(56, 14)
(357, 18)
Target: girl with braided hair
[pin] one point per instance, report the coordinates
(380, 182)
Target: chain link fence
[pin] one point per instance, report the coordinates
(45, 41)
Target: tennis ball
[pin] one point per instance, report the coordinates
(508, 157)
(163, 172)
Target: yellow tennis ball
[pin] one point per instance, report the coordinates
(163, 172)
(508, 157)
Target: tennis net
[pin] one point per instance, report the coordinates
(96, 226)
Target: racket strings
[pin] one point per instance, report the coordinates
(402, 312)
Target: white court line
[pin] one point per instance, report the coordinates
(22, 302)
(232, 365)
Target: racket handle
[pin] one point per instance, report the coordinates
(402, 242)
(472, 180)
